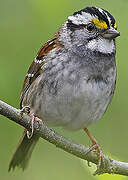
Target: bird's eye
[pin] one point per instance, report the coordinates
(90, 27)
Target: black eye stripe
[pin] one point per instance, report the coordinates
(101, 15)
(73, 26)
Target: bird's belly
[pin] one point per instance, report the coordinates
(75, 107)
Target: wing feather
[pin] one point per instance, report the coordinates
(35, 68)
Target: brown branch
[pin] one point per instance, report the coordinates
(110, 166)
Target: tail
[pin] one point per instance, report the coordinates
(23, 152)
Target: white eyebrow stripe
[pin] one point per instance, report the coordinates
(83, 18)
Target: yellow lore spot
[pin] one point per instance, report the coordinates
(115, 26)
(100, 24)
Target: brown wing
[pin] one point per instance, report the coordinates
(35, 68)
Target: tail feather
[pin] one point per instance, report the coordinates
(23, 152)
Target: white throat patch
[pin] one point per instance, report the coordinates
(102, 45)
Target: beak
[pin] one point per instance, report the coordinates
(110, 33)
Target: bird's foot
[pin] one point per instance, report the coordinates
(96, 146)
(34, 118)
(26, 109)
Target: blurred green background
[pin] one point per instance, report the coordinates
(24, 26)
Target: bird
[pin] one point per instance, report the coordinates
(72, 79)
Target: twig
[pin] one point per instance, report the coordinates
(110, 166)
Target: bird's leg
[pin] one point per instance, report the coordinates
(26, 109)
(96, 146)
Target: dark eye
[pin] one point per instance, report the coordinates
(90, 27)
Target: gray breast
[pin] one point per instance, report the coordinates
(73, 93)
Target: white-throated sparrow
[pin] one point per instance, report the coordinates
(72, 80)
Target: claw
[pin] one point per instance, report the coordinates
(95, 146)
(100, 154)
(26, 109)
(30, 134)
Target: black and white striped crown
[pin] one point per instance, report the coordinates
(100, 17)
